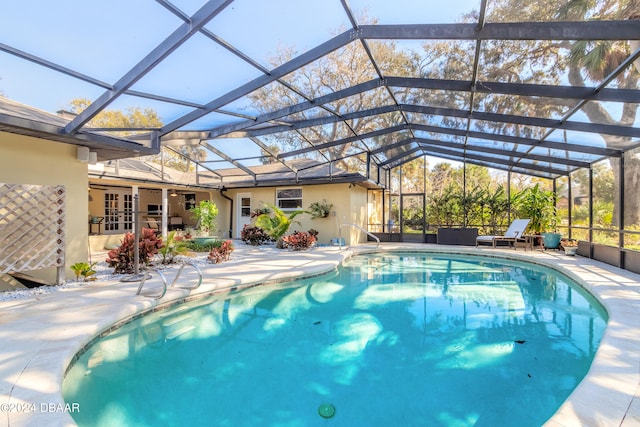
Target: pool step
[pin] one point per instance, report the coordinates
(179, 332)
(172, 311)
(172, 321)
(177, 325)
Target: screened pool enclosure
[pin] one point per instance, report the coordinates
(377, 93)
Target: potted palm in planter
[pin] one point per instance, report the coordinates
(205, 212)
(539, 206)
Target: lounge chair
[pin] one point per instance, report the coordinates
(513, 234)
(153, 224)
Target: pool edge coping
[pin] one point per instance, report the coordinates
(579, 409)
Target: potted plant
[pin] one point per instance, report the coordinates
(205, 212)
(539, 206)
(320, 209)
(188, 233)
(570, 246)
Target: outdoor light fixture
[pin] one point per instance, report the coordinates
(84, 155)
(173, 193)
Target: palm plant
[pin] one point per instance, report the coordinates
(277, 223)
(446, 208)
(172, 248)
(497, 204)
(539, 206)
(595, 60)
(471, 203)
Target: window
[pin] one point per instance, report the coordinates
(245, 206)
(154, 210)
(289, 198)
(189, 201)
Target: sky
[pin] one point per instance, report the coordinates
(104, 40)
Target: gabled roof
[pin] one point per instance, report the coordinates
(308, 172)
(298, 171)
(25, 120)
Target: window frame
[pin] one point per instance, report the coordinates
(279, 199)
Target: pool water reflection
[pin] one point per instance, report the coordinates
(390, 339)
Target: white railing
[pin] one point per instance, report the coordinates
(359, 228)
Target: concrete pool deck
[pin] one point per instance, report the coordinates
(40, 335)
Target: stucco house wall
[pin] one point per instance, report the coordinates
(28, 160)
(349, 206)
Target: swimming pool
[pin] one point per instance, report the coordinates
(394, 339)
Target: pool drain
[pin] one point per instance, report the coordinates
(326, 410)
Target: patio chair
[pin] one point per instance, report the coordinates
(153, 224)
(512, 235)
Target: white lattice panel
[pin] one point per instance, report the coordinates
(31, 227)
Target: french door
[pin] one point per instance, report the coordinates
(118, 212)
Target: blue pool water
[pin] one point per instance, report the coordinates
(389, 340)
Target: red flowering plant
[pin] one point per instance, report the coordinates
(122, 258)
(254, 236)
(299, 240)
(221, 253)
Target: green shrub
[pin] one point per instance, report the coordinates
(172, 248)
(194, 246)
(83, 269)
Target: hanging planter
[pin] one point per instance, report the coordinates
(320, 209)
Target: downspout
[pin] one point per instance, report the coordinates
(230, 212)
